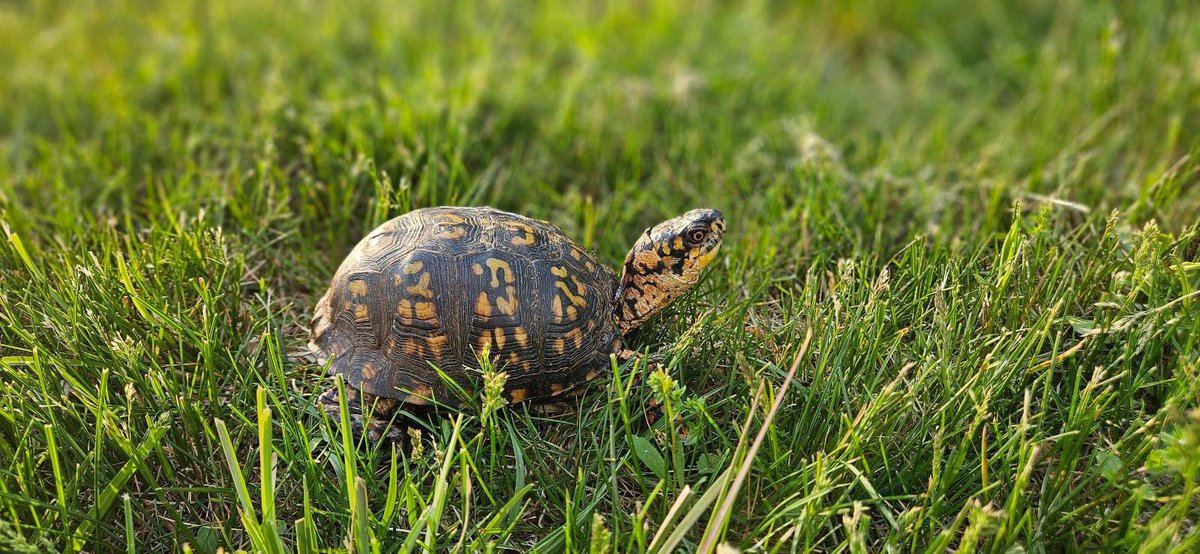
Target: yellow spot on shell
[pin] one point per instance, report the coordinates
(557, 307)
(358, 287)
(497, 266)
(477, 269)
(414, 267)
(575, 253)
(525, 240)
(518, 395)
(483, 307)
(499, 336)
(557, 388)
(437, 342)
(575, 336)
(422, 286)
(592, 374)
(361, 311)
(322, 325)
(449, 226)
(420, 395)
(521, 336)
(508, 303)
(424, 310)
(559, 271)
(571, 296)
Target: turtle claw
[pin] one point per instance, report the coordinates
(379, 429)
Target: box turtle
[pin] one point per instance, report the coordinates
(431, 289)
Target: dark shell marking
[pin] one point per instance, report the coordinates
(435, 286)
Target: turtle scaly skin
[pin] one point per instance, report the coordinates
(437, 287)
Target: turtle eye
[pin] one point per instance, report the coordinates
(696, 236)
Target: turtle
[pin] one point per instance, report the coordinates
(423, 295)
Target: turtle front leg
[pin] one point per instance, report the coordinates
(378, 427)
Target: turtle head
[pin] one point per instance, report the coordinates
(666, 262)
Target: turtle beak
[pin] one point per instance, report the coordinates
(715, 220)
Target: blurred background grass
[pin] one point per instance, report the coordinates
(184, 178)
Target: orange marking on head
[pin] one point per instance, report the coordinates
(647, 259)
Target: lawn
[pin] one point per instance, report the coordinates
(957, 308)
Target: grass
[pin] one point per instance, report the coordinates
(984, 213)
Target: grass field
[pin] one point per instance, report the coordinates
(983, 214)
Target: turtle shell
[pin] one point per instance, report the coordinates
(434, 287)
